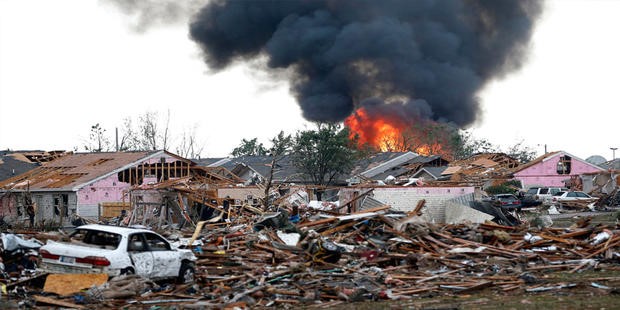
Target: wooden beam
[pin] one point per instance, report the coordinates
(56, 302)
(355, 198)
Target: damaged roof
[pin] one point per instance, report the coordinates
(11, 166)
(380, 163)
(73, 171)
(434, 172)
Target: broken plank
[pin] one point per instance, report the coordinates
(376, 209)
(338, 228)
(317, 222)
(418, 207)
(56, 302)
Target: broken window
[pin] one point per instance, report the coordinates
(96, 238)
(136, 243)
(61, 205)
(156, 243)
(564, 165)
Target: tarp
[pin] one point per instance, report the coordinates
(13, 242)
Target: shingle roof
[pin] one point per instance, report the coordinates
(10, 167)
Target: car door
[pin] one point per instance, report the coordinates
(166, 260)
(140, 255)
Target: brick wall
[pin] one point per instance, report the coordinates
(406, 198)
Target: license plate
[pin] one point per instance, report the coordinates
(67, 260)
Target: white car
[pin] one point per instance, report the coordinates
(118, 250)
(572, 196)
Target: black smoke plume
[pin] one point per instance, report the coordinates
(429, 58)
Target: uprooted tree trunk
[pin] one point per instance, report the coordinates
(265, 199)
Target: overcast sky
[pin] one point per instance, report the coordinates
(68, 64)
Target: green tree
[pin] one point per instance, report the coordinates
(249, 148)
(325, 153)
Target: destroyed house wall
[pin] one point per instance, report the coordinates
(242, 195)
(547, 173)
(155, 170)
(604, 182)
(50, 207)
(10, 207)
(54, 207)
(112, 189)
(406, 198)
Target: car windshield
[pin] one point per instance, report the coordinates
(96, 238)
(558, 194)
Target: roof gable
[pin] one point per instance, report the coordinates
(546, 157)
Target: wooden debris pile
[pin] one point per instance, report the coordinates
(478, 169)
(324, 259)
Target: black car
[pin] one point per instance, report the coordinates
(506, 201)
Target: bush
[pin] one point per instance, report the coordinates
(500, 189)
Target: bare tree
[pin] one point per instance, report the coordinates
(151, 137)
(165, 135)
(148, 131)
(98, 141)
(189, 146)
(281, 146)
(129, 139)
(151, 133)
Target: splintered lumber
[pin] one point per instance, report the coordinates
(56, 302)
(338, 228)
(413, 291)
(317, 222)
(418, 208)
(558, 239)
(604, 248)
(376, 209)
(355, 199)
(196, 233)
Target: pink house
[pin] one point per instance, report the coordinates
(553, 169)
(82, 183)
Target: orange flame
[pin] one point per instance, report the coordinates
(375, 131)
(391, 134)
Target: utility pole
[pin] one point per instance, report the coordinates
(116, 139)
(613, 151)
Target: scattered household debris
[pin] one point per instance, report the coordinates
(326, 258)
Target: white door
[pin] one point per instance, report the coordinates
(141, 257)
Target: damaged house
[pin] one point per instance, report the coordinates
(252, 173)
(393, 167)
(84, 184)
(559, 169)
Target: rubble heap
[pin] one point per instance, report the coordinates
(321, 258)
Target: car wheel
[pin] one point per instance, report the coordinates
(186, 273)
